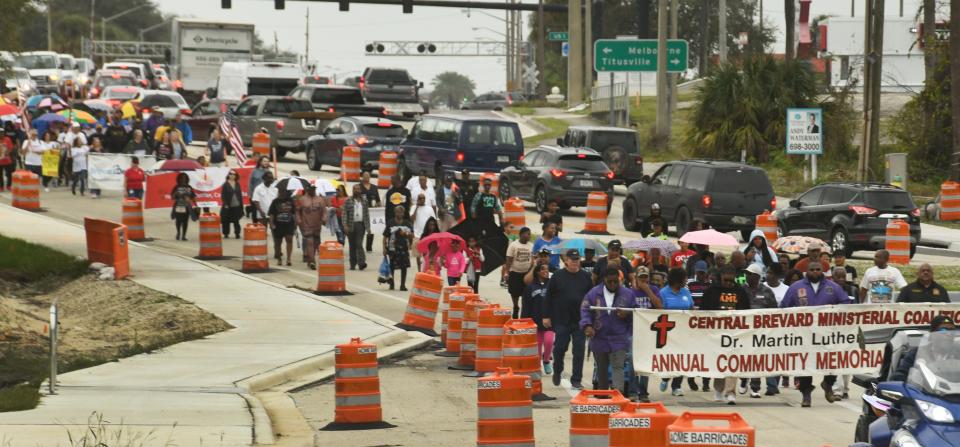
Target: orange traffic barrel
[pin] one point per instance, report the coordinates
(495, 185)
(458, 307)
(519, 350)
(685, 433)
(254, 248)
(514, 214)
(25, 190)
(898, 241)
(357, 382)
(387, 169)
(211, 241)
(590, 416)
(950, 200)
(767, 223)
(350, 164)
(331, 278)
(490, 323)
(133, 218)
(422, 306)
(640, 424)
(504, 410)
(107, 242)
(596, 220)
(445, 308)
(261, 144)
(468, 336)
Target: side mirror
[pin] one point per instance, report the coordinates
(560, 141)
(211, 92)
(794, 203)
(645, 179)
(891, 391)
(420, 84)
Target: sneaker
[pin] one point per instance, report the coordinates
(46, 189)
(828, 393)
(643, 399)
(754, 394)
(805, 403)
(547, 368)
(677, 392)
(731, 399)
(403, 288)
(556, 379)
(718, 396)
(576, 385)
(742, 387)
(663, 385)
(771, 393)
(693, 385)
(503, 283)
(706, 387)
(845, 396)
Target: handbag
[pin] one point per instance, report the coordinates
(194, 214)
(385, 274)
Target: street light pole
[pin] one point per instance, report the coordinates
(103, 25)
(49, 25)
(541, 57)
(151, 28)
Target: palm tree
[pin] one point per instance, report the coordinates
(453, 87)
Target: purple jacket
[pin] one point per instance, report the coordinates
(612, 332)
(828, 293)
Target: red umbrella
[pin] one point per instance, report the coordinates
(179, 165)
(444, 240)
(7, 109)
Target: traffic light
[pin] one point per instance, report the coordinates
(279, 4)
(426, 48)
(225, 4)
(408, 6)
(344, 5)
(375, 47)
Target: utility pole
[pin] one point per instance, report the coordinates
(306, 53)
(674, 11)
(541, 56)
(93, 4)
(722, 13)
(49, 25)
(955, 92)
(876, 78)
(871, 82)
(929, 38)
(575, 60)
(588, 49)
(276, 45)
(663, 102)
(790, 29)
(510, 47)
(704, 67)
(521, 50)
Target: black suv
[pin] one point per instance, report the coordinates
(619, 147)
(567, 175)
(725, 194)
(852, 216)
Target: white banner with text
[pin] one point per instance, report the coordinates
(764, 342)
(105, 171)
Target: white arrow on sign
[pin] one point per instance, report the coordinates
(675, 61)
(607, 50)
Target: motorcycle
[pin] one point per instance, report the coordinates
(924, 409)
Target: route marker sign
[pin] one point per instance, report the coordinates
(638, 55)
(558, 36)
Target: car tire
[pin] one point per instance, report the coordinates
(630, 218)
(313, 159)
(745, 234)
(281, 152)
(540, 199)
(840, 241)
(682, 221)
(505, 189)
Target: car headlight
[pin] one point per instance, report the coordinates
(935, 412)
(903, 438)
(54, 77)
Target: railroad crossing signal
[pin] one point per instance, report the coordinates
(530, 74)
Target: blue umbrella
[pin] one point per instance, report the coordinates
(50, 118)
(34, 101)
(579, 244)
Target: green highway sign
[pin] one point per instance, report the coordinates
(638, 55)
(558, 36)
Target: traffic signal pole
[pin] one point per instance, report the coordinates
(575, 59)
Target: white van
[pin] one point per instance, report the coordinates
(238, 80)
(44, 68)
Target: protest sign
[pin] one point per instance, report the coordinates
(759, 343)
(50, 163)
(206, 183)
(377, 221)
(105, 171)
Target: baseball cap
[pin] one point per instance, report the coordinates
(700, 266)
(544, 250)
(614, 244)
(573, 253)
(755, 269)
(75, 125)
(643, 271)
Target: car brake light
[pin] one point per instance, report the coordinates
(773, 204)
(362, 141)
(115, 76)
(862, 210)
(521, 157)
(915, 212)
(330, 110)
(706, 200)
(123, 66)
(581, 155)
(459, 157)
(557, 173)
(280, 125)
(509, 100)
(94, 91)
(177, 84)
(610, 175)
(639, 160)
(384, 125)
(143, 82)
(187, 112)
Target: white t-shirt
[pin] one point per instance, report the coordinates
(429, 193)
(35, 150)
(608, 297)
(68, 137)
(881, 284)
(421, 214)
(264, 196)
(779, 291)
(79, 155)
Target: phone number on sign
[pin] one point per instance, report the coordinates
(804, 147)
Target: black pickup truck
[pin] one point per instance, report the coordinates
(339, 99)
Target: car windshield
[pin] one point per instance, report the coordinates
(740, 181)
(316, 80)
(106, 81)
(270, 86)
(336, 96)
(67, 63)
(163, 101)
(602, 140)
(283, 107)
(937, 366)
(582, 162)
(37, 61)
(389, 77)
(888, 200)
(122, 93)
(383, 130)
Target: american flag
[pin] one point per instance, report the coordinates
(24, 114)
(228, 127)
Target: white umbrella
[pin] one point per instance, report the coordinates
(325, 187)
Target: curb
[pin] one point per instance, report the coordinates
(529, 122)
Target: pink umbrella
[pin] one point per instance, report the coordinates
(709, 237)
(51, 103)
(444, 241)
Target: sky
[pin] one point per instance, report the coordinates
(337, 38)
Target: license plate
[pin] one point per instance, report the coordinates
(741, 220)
(503, 159)
(585, 183)
(388, 147)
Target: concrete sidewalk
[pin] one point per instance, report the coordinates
(204, 391)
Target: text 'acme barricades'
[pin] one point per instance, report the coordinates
(504, 410)
(423, 304)
(519, 350)
(640, 424)
(331, 276)
(25, 189)
(108, 243)
(350, 164)
(898, 241)
(387, 169)
(490, 323)
(357, 383)
(132, 217)
(445, 309)
(211, 241)
(458, 309)
(684, 432)
(590, 416)
(254, 249)
(596, 219)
